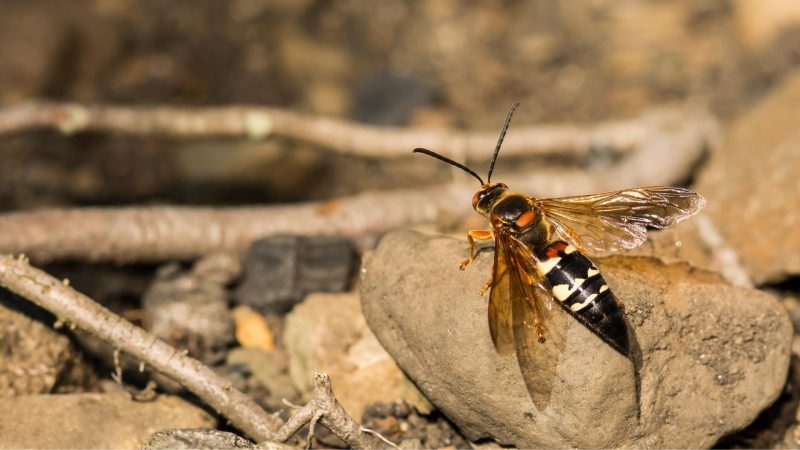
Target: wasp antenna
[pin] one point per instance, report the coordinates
(500, 141)
(448, 161)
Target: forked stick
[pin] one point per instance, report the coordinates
(73, 308)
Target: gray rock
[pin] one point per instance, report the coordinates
(280, 271)
(714, 355)
(93, 420)
(189, 309)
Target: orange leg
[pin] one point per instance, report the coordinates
(487, 285)
(539, 331)
(525, 276)
(471, 236)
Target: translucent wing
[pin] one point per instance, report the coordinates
(618, 220)
(521, 311)
(500, 320)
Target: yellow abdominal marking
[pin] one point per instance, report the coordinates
(545, 267)
(579, 306)
(562, 291)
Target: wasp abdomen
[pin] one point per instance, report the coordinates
(580, 288)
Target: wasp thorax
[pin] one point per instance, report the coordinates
(515, 210)
(484, 200)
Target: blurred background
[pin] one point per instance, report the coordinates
(420, 65)
(442, 64)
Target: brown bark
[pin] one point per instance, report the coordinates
(256, 122)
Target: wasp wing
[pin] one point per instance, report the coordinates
(500, 319)
(618, 220)
(523, 314)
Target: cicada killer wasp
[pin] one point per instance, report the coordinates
(539, 261)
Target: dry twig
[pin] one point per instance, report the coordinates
(170, 233)
(724, 258)
(339, 135)
(75, 308)
(329, 412)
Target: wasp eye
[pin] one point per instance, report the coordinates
(475, 199)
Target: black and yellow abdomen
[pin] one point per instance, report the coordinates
(580, 288)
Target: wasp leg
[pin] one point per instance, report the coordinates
(527, 277)
(471, 236)
(487, 285)
(539, 331)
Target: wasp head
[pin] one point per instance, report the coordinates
(484, 200)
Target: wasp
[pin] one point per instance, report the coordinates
(540, 261)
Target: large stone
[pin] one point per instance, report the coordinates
(753, 188)
(714, 355)
(93, 420)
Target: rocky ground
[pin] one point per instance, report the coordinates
(714, 302)
(703, 342)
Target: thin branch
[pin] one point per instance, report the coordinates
(342, 136)
(329, 412)
(117, 374)
(75, 308)
(379, 436)
(724, 258)
(170, 233)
